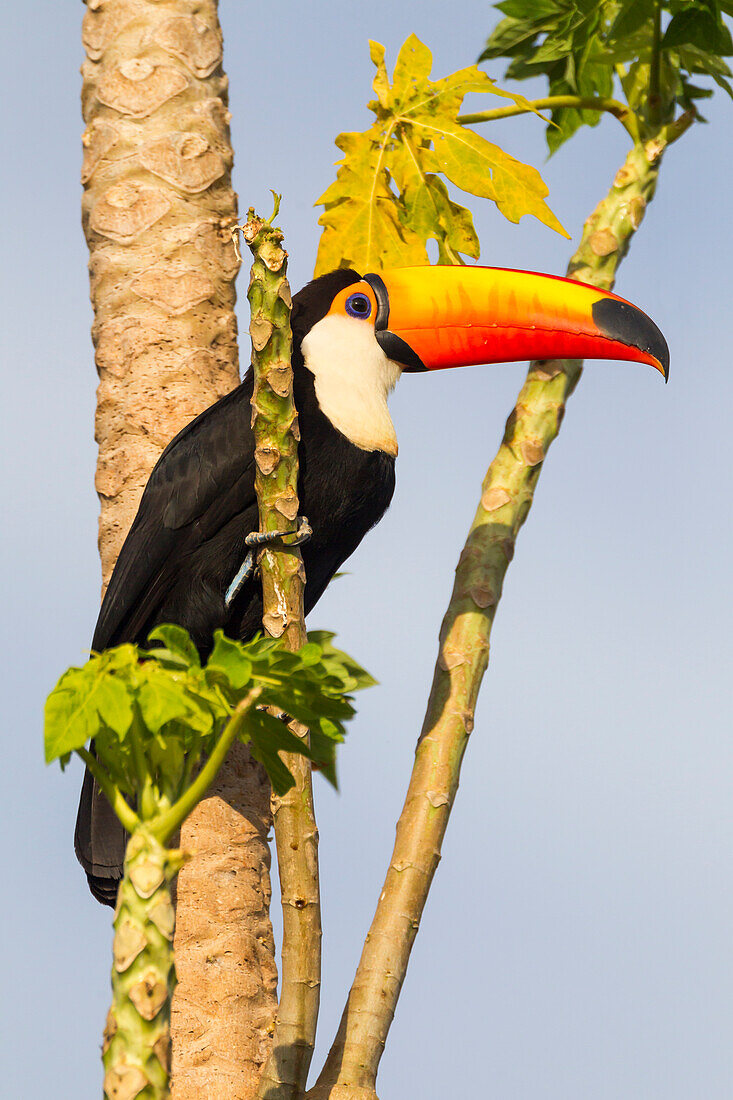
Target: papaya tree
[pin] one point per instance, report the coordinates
(161, 261)
(158, 209)
(653, 51)
(156, 179)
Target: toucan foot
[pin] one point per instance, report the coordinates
(257, 539)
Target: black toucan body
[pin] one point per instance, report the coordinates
(352, 339)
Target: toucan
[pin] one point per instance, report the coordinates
(353, 338)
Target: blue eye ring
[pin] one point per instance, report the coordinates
(359, 305)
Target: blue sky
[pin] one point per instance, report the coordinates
(577, 940)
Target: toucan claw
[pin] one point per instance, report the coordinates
(257, 539)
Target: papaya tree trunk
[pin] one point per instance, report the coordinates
(157, 210)
(136, 1047)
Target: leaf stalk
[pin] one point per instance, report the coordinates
(164, 825)
(119, 804)
(614, 107)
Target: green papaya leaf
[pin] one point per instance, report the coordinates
(177, 645)
(323, 750)
(696, 26)
(83, 699)
(266, 726)
(528, 9)
(583, 48)
(723, 83)
(116, 758)
(152, 713)
(632, 15)
(229, 659)
(279, 774)
(163, 699)
(507, 36)
(268, 737)
(167, 758)
(353, 677)
(310, 654)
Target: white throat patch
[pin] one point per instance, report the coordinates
(352, 379)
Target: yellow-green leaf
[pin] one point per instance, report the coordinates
(366, 236)
(387, 202)
(380, 83)
(481, 168)
(428, 208)
(83, 699)
(412, 70)
(362, 225)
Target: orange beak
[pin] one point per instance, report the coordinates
(430, 318)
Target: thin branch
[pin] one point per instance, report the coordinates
(164, 825)
(296, 838)
(351, 1067)
(553, 102)
(114, 796)
(274, 419)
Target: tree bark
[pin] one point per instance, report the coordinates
(157, 210)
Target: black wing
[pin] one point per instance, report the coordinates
(202, 480)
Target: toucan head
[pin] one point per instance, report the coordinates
(357, 334)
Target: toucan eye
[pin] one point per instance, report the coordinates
(358, 305)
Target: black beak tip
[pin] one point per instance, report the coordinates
(623, 322)
(661, 353)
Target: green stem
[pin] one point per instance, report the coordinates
(136, 1047)
(146, 795)
(114, 796)
(553, 102)
(275, 426)
(351, 1067)
(192, 758)
(296, 836)
(164, 825)
(675, 129)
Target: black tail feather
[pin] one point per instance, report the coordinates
(99, 842)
